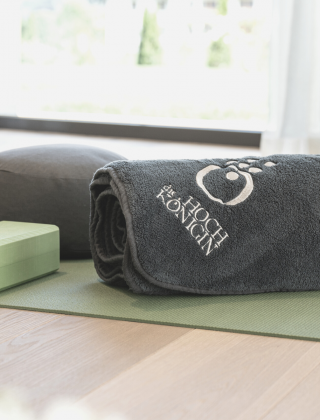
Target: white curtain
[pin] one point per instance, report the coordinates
(294, 125)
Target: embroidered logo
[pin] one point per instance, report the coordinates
(232, 176)
(205, 230)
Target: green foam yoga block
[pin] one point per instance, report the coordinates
(27, 251)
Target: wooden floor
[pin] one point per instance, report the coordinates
(145, 371)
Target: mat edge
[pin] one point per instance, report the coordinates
(169, 324)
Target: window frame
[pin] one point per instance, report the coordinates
(135, 131)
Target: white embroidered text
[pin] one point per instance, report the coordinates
(204, 229)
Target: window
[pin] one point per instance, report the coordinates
(246, 3)
(162, 4)
(210, 3)
(170, 62)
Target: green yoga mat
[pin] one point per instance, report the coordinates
(75, 289)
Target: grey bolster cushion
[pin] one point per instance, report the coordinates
(213, 226)
(50, 184)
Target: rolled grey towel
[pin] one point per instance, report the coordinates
(214, 226)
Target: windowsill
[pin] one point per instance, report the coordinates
(142, 130)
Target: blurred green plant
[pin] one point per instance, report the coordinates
(72, 32)
(219, 54)
(37, 26)
(223, 7)
(149, 50)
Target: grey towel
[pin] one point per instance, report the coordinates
(213, 226)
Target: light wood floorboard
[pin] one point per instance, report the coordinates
(264, 406)
(71, 356)
(209, 375)
(14, 323)
(302, 402)
(145, 371)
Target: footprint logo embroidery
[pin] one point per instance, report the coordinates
(232, 176)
